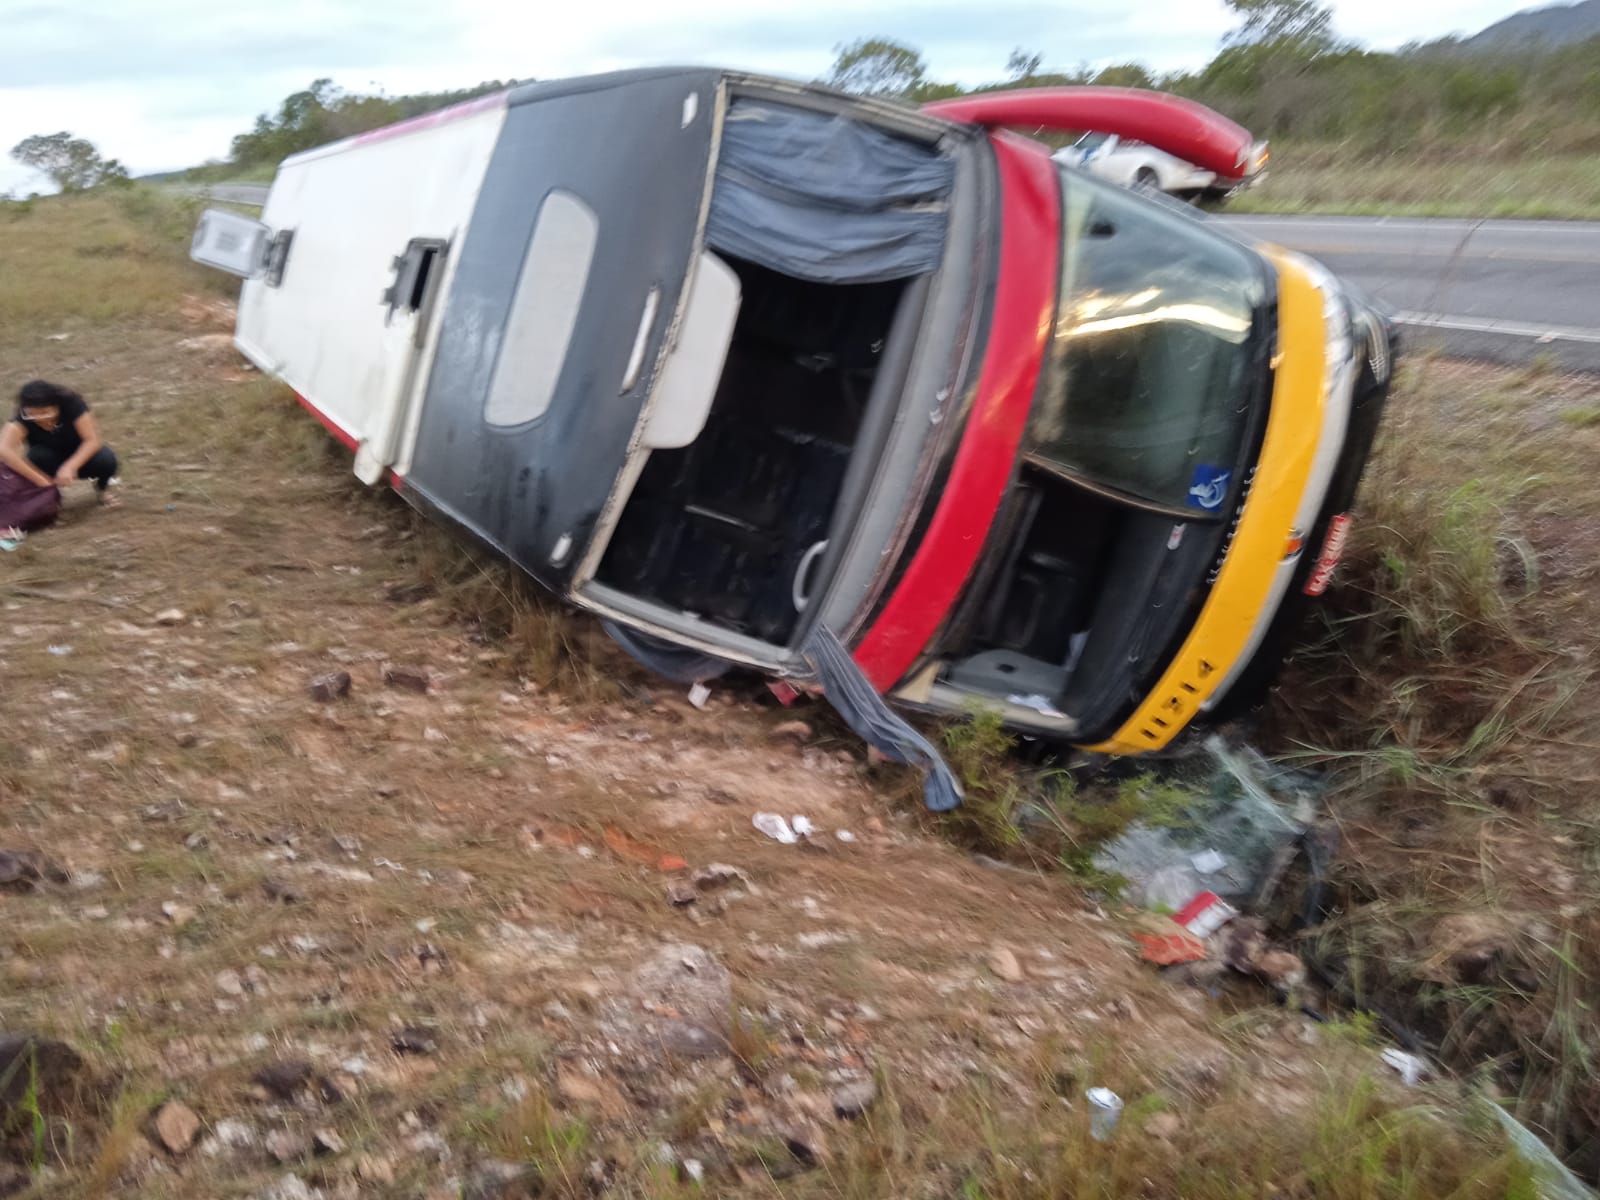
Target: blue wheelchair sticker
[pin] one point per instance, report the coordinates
(1209, 487)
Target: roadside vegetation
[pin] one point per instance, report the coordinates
(1443, 128)
(438, 902)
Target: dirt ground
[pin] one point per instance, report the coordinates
(497, 922)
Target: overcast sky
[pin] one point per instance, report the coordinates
(162, 84)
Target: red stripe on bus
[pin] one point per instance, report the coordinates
(1024, 309)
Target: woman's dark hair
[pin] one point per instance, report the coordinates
(39, 394)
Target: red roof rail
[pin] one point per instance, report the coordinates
(1181, 127)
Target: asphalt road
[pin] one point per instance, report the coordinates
(1502, 290)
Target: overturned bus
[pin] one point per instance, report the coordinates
(730, 360)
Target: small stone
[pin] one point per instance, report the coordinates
(681, 894)
(284, 1079)
(327, 688)
(287, 1146)
(850, 1100)
(290, 1187)
(1164, 1125)
(371, 1168)
(714, 876)
(176, 1126)
(414, 1039)
(347, 844)
(97, 912)
(1003, 962)
(493, 1179)
(229, 983)
(283, 893)
(170, 616)
(407, 679)
(25, 870)
(229, 1134)
(326, 1141)
(179, 914)
(186, 739)
(1282, 970)
(196, 841)
(592, 1093)
(797, 732)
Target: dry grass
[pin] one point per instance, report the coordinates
(1334, 179)
(1448, 690)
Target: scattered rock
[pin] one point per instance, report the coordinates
(284, 893)
(176, 1126)
(186, 739)
(229, 1134)
(681, 894)
(1003, 962)
(372, 1168)
(25, 870)
(37, 1070)
(594, 1094)
(327, 688)
(497, 1180)
(715, 876)
(414, 1039)
(284, 1080)
(170, 616)
(229, 983)
(1243, 943)
(1164, 1126)
(326, 1141)
(196, 841)
(407, 679)
(287, 1146)
(179, 914)
(850, 1100)
(290, 1187)
(1282, 970)
(687, 996)
(797, 732)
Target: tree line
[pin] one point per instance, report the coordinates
(1283, 72)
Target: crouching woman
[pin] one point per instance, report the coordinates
(54, 440)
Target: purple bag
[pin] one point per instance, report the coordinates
(27, 505)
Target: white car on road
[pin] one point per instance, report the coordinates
(1136, 164)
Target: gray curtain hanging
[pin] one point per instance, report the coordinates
(824, 198)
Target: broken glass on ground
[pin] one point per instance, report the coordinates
(1247, 822)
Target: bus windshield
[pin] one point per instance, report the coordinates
(1148, 389)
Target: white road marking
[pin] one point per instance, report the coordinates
(1540, 333)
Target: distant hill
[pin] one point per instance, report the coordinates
(1544, 28)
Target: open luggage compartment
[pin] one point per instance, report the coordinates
(731, 528)
(827, 222)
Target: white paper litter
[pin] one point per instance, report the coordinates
(1208, 862)
(699, 694)
(1411, 1067)
(775, 827)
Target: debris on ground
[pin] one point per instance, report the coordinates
(407, 679)
(1105, 1110)
(775, 827)
(177, 1126)
(1412, 1068)
(330, 687)
(25, 870)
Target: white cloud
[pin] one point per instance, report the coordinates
(167, 83)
